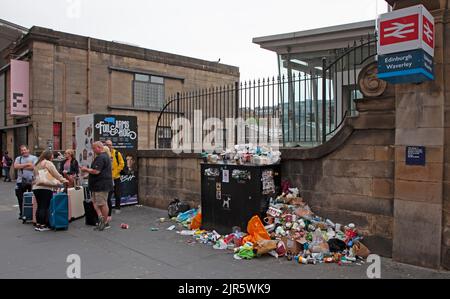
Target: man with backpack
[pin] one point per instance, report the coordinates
(24, 164)
(118, 165)
(7, 163)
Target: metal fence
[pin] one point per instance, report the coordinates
(303, 109)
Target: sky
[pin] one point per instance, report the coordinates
(205, 29)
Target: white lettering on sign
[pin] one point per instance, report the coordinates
(120, 128)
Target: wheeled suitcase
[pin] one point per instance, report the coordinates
(28, 209)
(90, 215)
(76, 199)
(59, 211)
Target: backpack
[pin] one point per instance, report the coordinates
(122, 172)
(8, 161)
(176, 207)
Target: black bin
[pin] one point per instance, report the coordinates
(229, 201)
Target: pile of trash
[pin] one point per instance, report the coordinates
(245, 154)
(291, 230)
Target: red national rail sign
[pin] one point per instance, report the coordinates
(406, 29)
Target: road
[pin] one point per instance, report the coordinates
(140, 252)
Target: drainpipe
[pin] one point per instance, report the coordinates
(88, 70)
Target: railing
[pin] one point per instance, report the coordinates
(300, 109)
(340, 86)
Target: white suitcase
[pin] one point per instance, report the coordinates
(76, 198)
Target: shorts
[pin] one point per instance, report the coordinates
(100, 198)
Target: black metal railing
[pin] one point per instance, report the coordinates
(300, 109)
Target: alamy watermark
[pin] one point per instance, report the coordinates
(374, 269)
(214, 134)
(74, 268)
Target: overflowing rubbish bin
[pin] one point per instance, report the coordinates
(231, 194)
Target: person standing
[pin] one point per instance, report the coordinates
(118, 165)
(7, 163)
(70, 168)
(100, 182)
(24, 164)
(44, 192)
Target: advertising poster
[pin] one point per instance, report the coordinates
(122, 131)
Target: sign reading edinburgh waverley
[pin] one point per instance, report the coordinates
(406, 45)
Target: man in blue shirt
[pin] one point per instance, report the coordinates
(24, 164)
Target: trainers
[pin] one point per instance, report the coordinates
(44, 229)
(101, 223)
(107, 226)
(37, 228)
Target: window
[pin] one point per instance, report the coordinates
(57, 128)
(148, 92)
(164, 137)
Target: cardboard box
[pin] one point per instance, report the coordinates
(292, 246)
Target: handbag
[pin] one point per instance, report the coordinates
(45, 179)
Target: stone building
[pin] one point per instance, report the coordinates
(72, 75)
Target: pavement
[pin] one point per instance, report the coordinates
(140, 253)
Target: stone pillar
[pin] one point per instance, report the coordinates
(419, 196)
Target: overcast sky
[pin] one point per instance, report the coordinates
(206, 29)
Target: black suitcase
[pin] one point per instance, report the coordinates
(90, 215)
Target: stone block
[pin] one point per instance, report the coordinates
(383, 188)
(384, 153)
(355, 152)
(417, 231)
(427, 192)
(367, 169)
(431, 172)
(420, 136)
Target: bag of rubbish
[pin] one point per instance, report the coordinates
(256, 230)
(336, 245)
(245, 252)
(265, 246)
(176, 207)
(182, 217)
(361, 250)
(196, 221)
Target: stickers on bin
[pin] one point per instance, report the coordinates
(241, 175)
(225, 176)
(226, 202)
(214, 172)
(268, 183)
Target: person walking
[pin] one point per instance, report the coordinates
(24, 164)
(100, 182)
(43, 188)
(118, 165)
(70, 168)
(7, 163)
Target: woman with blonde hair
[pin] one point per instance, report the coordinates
(70, 168)
(42, 192)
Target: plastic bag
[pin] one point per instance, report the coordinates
(196, 221)
(176, 207)
(187, 215)
(256, 230)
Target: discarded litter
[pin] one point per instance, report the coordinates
(290, 229)
(154, 229)
(172, 227)
(124, 226)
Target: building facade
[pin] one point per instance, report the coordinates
(72, 75)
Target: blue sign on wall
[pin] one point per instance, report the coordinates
(406, 67)
(415, 155)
